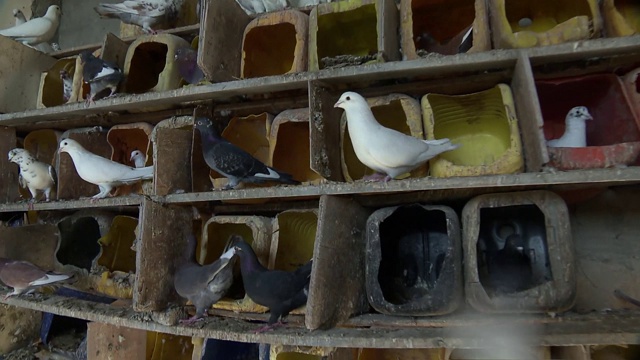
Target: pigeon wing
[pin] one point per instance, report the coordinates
(34, 28)
(21, 274)
(229, 159)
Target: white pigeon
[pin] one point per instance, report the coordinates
(67, 85)
(100, 171)
(34, 175)
(137, 158)
(386, 151)
(19, 15)
(275, 5)
(36, 30)
(575, 132)
(149, 14)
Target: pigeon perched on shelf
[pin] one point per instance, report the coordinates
(24, 276)
(151, 15)
(204, 285)
(19, 15)
(100, 75)
(575, 132)
(137, 158)
(275, 5)
(280, 291)
(460, 43)
(67, 85)
(100, 171)
(232, 162)
(36, 30)
(386, 151)
(34, 175)
(510, 268)
(187, 59)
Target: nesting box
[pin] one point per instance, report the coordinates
(150, 65)
(395, 111)
(284, 352)
(621, 17)
(51, 86)
(168, 346)
(290, 150)
(414, 260)
(19, 87)
(70, 185)
(428, 26)
(353, 32)
(177, 131)
(223, 349)
(261, 56)
(79, 234)
(292, 243)
(483, 123)
(255, 230)
(524, 24)
(401, 354)
(123, 140)
(538, 273)
(35, 243)
(613, 136)
(116, 258)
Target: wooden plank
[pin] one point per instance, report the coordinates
(9, 172)
(530, 120)
(106, 342)
(338, 292)
(175, 135)
(610, 327)
(110, 202)
(114, 50)
(220, 43)
(163, 237)
(324, 130)
(34, 243)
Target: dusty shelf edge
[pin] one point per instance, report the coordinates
(603, 328)
(74, 204)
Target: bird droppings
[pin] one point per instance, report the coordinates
(346, 60)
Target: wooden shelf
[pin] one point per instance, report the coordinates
(366, 331)
(119, 201)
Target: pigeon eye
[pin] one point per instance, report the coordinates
(348, 98)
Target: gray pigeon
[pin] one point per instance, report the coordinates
(234, 163)
(151, 15)
(67, 85)
(36, 30)
(19, 15)
(100, 75)
(100, 171)
(187, 59)
(386, 151)
(204, 285)
(34, 175)
(575, 132)
(24, 276)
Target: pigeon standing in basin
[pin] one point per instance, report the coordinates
(386, 151)
(34, 175)
(100, 171)
(280, 291)
(24, 276)
(575, 132)
(510, 269)
(19, 15)
(36, 30)
(204, 285)
(100, 75)
(151, 15)
(187, 59)
(232, 162)
(137, 158)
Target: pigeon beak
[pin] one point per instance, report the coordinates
(337, 104)
(589, 117)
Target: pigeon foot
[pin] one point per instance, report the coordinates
(192, 320)
(269, 327)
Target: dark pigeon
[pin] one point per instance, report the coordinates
(234, 163)
(100, 75)
(460, 43)
(187, 59)
(204, 285)
(23, 276)
(510, 269)
(280, 291)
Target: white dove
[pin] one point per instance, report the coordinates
(149, 14)
(34, 175)
(385, 150)
(100, 171)
(275, 5)
(36, 30)
(19, 15)
(137, 158)
(575, 132)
